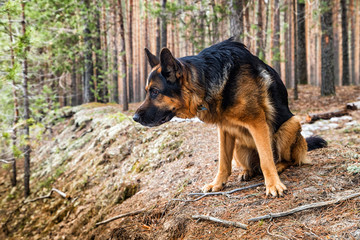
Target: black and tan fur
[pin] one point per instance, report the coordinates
(228, 86)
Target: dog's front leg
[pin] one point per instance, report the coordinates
(226, 149)
(261, 135)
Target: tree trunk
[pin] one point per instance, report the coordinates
(101, 88)
(327, 51)
(158, 37)
(105, 53)
(147, 43)
(336, 10)
(73, 84)
(352, 42)
(163, 25)
(260, 51)
(215, 32)
(27, 148)
(16, 106)
(276, 37)
(345, 49)
(296, 96)
(236, 20)
(301, 44)
(88, 74)
(287, 40)
(130, 55)
(123, 51)
(115, 76)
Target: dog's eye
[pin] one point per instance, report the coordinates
(154, 92)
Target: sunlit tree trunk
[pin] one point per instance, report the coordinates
(123, 62)
(130, 55)
(115, 95)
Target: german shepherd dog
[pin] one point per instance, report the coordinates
(228, 86)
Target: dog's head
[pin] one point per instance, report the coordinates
(164, 98)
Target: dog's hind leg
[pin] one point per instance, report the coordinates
(226, 146)
(246, 158)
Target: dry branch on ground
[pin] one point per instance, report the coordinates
(218, 220)
(62, 194)
(305, 207)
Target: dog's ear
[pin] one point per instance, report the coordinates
(170, 67)
(153, 60)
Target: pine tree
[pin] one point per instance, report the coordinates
(327, 51)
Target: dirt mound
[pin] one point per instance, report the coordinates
(110, 166)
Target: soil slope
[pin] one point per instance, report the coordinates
(110, 165)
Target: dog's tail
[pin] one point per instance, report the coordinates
(315, 142)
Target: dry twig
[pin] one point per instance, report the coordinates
(305, 207)
(218, 220)
(6, 161)
(202, 195)
(120, 216)
(62, 194)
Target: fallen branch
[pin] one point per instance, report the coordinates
(305, 207)
(313, 117)
(6, 161)
(62, 194)
(218, 220)
(120, 216)
(202, 195)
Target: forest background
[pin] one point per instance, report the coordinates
(65, 53)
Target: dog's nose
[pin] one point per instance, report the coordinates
(136, 117)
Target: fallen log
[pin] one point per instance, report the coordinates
(353, 106)
(313, 117)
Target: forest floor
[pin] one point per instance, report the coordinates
(111, 166)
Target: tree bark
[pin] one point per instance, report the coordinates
(236, 20)
(101, 88)
(336, 10)
(16, 106)
(345, 49)
(352, 42)
(276, 37)
(296, 96)
(287, 18)
(73, 84)
(301, 64)
(27, 148)
(115, 76)
(260, 51)
(130, 55)
(147, 43)
(163, 25)
(327, 51)
(215, 32)
(88, 72)
(123, 56)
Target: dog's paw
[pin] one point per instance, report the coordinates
(211, 187)
(276, 189)
(245, 175)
